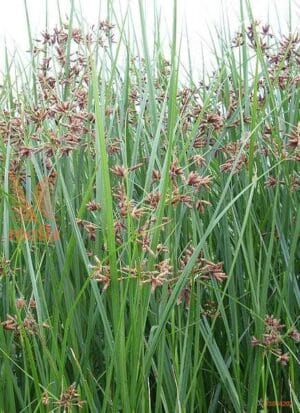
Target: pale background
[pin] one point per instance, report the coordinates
(199, 17)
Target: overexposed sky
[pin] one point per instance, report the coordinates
(198, 16)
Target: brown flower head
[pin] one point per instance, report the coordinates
(70, 398)
(101, 273)
(175, 169)
(283, 359)
(119, 170)
(196, 180)
(294, 137)
(93, 206)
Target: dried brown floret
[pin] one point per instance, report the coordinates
(10, 323)
(283, 359)
(211, 270)
(201, 205)
(119, 170)
(196, 180)
(272, 181)
(295, 335)
(294, 137)
(175, 169)
(70, 398)
(156, 175)
(93, 206)
(153, 199)
(158, 277)
(101, 273)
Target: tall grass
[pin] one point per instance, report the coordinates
(150, 230)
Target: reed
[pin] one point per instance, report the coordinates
(150, 226)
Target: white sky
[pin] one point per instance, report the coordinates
(196, 15)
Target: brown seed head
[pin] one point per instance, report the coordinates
(294, 137)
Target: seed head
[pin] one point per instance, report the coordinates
(194, 179)
(283, 359)
(294, 137)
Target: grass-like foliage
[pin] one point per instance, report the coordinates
(150, 226)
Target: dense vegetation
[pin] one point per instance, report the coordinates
(150, 226)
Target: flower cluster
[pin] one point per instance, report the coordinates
(272, 338)
(68, 400)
